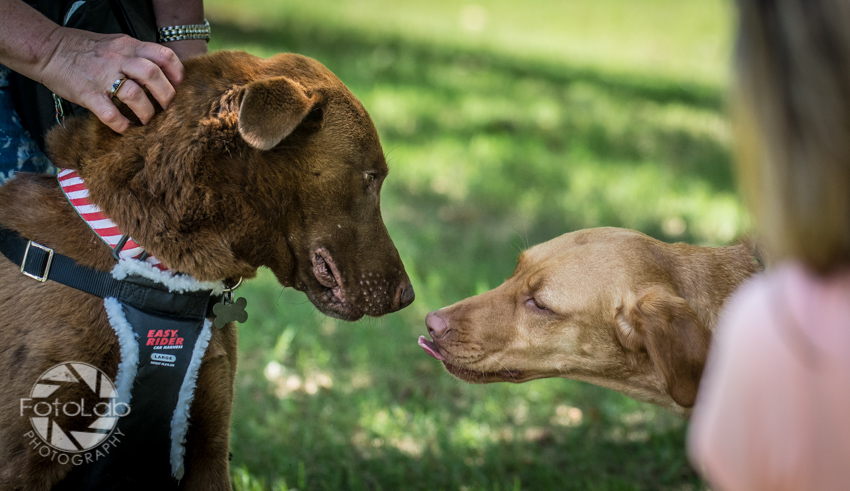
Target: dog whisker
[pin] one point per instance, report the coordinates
(509, 371)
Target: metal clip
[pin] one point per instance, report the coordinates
(116, 251)
(46, 272)
(227, 298)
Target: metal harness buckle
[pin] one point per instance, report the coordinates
(49, 252)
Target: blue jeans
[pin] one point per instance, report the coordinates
(18, 151)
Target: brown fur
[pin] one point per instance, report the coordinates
(257, 163)
(609, 306)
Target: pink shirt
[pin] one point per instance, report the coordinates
(773, 411)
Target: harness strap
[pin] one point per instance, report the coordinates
(42, 263)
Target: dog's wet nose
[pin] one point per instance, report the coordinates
(437, 326)
(404, 296)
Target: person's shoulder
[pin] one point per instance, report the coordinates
(752, 299)
(768, 291)
(751, 314)
(819, 307)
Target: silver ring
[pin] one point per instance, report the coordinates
(229, 289)
(116, 86)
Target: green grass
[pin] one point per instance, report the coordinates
(505, 124)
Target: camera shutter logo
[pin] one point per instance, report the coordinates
(48, 409)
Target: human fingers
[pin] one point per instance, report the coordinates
(163, 57)
(105, 110)
(131, 94)
(82, 68)
(147, 74)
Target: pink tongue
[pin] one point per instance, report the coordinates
(430, 348)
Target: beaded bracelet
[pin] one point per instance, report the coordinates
(180, 33)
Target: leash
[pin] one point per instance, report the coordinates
(41, 263)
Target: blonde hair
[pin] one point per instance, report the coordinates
(792, 111)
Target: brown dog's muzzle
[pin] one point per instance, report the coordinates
(351, 294)
(404, 296)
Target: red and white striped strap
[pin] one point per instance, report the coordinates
(78, 195)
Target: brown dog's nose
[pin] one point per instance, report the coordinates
(437, 326)
(404, 296)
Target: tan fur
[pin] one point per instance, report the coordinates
(257, 163)
(619, 309)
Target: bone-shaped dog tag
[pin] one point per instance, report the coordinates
(228, 311)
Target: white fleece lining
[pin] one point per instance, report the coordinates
(179, 283)
(128, 366)
(129, 348)
(180, 419)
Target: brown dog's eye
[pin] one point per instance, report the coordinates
(369, 181)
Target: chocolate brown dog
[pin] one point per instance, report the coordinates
(608, 306)
(257, 163)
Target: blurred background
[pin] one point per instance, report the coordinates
(505, 124)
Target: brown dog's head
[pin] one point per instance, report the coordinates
(608, 306)
(256, 163)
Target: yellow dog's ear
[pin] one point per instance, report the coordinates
(664, 326)
(271, 109)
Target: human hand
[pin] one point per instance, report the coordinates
(84, 65)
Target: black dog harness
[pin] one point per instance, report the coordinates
(163, 328)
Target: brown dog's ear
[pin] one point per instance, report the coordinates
(271, 109)
(665, 326)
